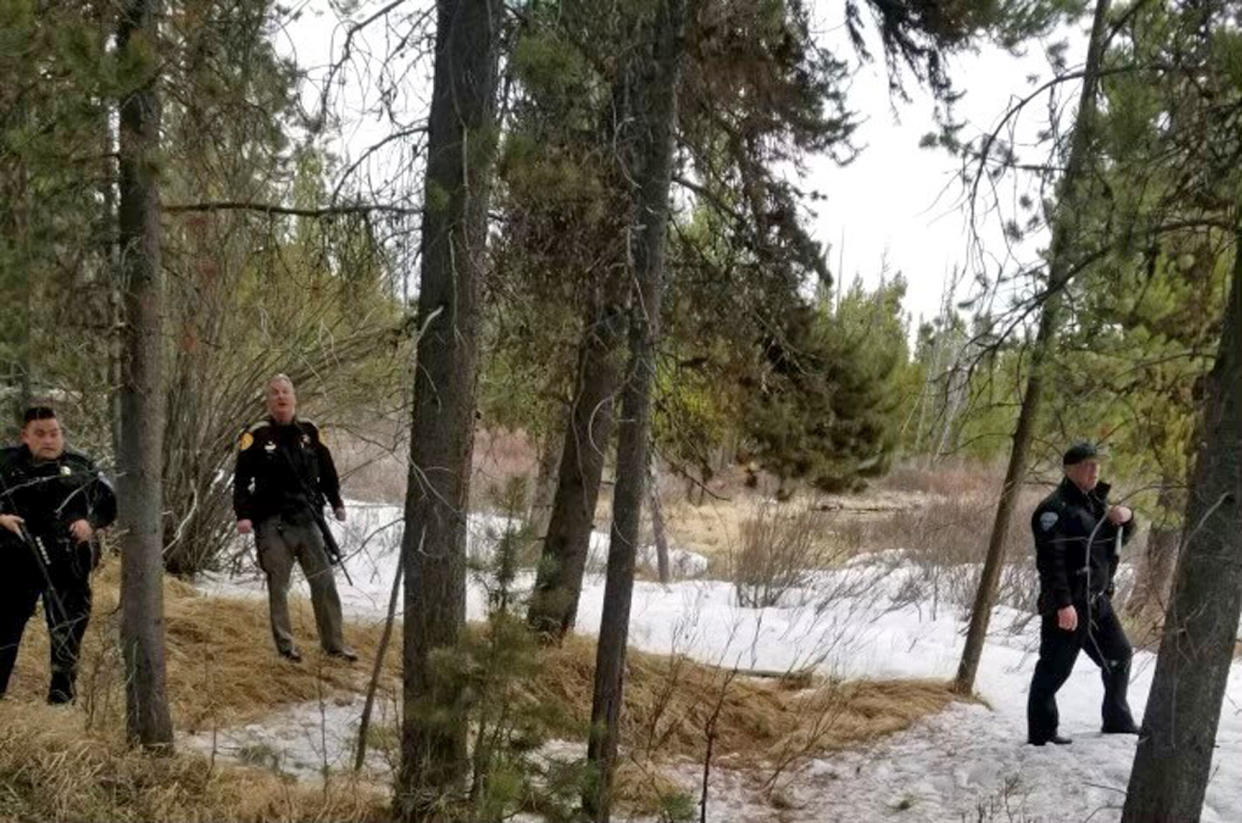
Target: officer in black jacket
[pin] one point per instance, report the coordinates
(284, 473)
(52, 504)
(1076, 534)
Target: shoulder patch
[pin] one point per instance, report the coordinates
(1047, 520)
(247, 440)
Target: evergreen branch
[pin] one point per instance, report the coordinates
(292, 211)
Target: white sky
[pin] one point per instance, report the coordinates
(895, 203)
(902, 205)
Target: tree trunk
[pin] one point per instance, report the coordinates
(1174, 757)
(1153, 572)
(140, 459)
(461, 148)
(545, 488)
(558, 579)
(653, 149)
(658, 535)
(1060, 270)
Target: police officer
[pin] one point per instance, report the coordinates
(1075, 550)
(284, 473)
(53, 502)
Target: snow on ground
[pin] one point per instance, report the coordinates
(969, 763)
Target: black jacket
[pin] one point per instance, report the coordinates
(51, 494)
(283, 470)
(1062, 524)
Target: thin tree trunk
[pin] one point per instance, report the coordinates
(1174, 757)
(364, 723)
(654, 151)
(545, 475)
(658, 535)
(558, 579)
(1153, 575)
(1064, 239)
(461, 149)
(140, 459)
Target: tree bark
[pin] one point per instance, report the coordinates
(545, 488)
(1060, 270)
(461, 149)
(140, 459)
(1173, 760)
(653, 151)
(558, 579)
(658, 535)
(1153, 573)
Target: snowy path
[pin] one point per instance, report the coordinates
(968, 763)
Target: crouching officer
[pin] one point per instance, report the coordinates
(284, 473)
(52, 504)
(1076, 534)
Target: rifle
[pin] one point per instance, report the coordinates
(331, 548)
(42, 560)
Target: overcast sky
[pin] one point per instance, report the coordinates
(902, 204)
(895, 203)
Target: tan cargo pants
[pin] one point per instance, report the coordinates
(279, 543)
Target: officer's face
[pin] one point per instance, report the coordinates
(44, 439)
(282, 400)
(1085, 474)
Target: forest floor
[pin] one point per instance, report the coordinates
(861, 728)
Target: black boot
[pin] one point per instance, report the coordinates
(1056, 739)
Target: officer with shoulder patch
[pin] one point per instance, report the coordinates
(53, 502)
(1076, 531)
(284, 473)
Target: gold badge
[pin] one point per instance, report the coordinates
(247, 441)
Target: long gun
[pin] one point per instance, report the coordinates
(330, 546)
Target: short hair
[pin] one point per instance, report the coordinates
(38, 413)
(1081, 451)
(278, 378)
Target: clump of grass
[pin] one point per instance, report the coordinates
(670, 700)
(52, 771)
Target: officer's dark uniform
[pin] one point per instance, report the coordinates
(49, 495)
(1069, 575)
(284, 473)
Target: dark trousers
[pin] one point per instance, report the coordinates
(66, 606)
(1107, 646)
(280, 544)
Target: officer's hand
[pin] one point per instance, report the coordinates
(1067, 618)
(1118, 515)
(11, 522)
(81, 531)
(339, 513)
(244, 527)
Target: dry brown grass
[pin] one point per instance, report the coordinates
(222, 666)
(50, 770)
(669, 701)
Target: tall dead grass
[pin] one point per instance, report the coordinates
(670, 700)
(50, 770)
